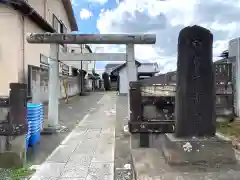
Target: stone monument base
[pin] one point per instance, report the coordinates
(210, 151)
(15, 157)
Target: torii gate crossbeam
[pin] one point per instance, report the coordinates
(54, 39)
(92, 57)
(58, 38)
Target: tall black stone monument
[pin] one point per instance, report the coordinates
(194, 140)
(195, 92)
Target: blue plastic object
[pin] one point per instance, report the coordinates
(35, 115)
(27, 143)
(34, 139)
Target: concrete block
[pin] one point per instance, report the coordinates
(16, 156)
(210, 151)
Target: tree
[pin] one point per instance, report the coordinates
(106, 82)
(224, 54)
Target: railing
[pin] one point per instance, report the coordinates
(152, 105)
(13, 120)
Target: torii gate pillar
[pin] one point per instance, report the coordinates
(53, 89)
(54, 39)
(131, 70)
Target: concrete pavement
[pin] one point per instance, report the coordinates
(70, 115)
(87, 153)
(123, 159)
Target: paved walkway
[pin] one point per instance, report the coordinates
(87, 153)
(70, 115)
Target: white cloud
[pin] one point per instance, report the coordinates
(166, 18)
(77, 2)
(85, 14)
(74, 2)
(98, 1)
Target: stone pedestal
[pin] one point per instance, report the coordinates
(16, 156)
(210, 151)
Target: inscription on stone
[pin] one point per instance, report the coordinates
(195, 92)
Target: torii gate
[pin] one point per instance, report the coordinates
(54, 39)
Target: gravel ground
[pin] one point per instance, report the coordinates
(5, 174)
(123, 162)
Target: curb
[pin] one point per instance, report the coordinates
(236, 146)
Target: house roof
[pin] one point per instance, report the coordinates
(70, 14)
(88, 48)
(150, 63)
(121, 66)
(160, 79)
(224, 60)
(29, 11)
(108, 66)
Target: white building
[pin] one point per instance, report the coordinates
(24, 62)
(121, 70)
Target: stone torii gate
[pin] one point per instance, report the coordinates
(54, 39)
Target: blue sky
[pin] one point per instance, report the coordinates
(165, 18)
(88, 25)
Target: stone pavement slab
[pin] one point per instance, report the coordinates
(70, 115)
(123, 159)
(87, 153)
(149, 163)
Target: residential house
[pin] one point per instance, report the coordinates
(113, 76)
(24, 62)
(161, 79)
(147, 70)
(110, 67)
(90, 78)
(121, 72)
(83, 66)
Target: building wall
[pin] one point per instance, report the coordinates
(77, 49)
(124, 87)
(16, 53)
(67, 85)
(91, 66)
(11, 53)
(147, 68)
(46, 8)
(33, 51)
(233, 48)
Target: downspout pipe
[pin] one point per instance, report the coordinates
(22, 73)
(81, 71)
(45, 9)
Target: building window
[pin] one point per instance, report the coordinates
(63, 28)
(58, 25)
(44, 62)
